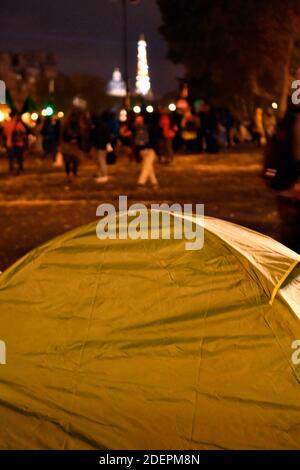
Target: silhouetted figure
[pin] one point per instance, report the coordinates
(282, 163)
(100, 139)
(71, 138)
(15, 134)
(146, 146)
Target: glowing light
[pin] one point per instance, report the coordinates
(143, 85)
(149, 109)
(26, 118)
(275, 105)
(137, 109)
(79, 103)
(47, 112)
(2, 116)
(123, 115)
(172, 107)
(60, 114)
(34, 116)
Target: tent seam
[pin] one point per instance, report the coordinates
(281, 281)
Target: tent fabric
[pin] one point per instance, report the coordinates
(140, 344)
(290, 290)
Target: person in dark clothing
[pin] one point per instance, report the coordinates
(282, 156)
(228, 122)
(71, 145)
(209, 129)
(100, 139)
(50, 138)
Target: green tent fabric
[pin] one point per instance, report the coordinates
(140, 344)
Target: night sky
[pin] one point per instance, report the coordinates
(86, 35)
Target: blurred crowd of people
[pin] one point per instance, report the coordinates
(142, 137)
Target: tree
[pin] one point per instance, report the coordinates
(234, 51)
(91, 88)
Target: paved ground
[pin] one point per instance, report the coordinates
(41, 204)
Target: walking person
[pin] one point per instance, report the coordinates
(209, 129)
(100, 140)
(190, 126)
(50, 138)
(168, 134)
(71, 145)
(16, 136)
(146, 147)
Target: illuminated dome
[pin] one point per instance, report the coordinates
(116, 86)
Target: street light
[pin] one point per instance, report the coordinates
(125, 44)
(48, 111)
(172, 107)
(123, 115)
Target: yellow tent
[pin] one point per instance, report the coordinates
(140, 344)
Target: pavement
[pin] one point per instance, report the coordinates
(41, 204)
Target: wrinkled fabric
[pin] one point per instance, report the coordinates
(123, 344)
(290, 290)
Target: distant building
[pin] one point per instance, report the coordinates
(21, 70)
(116, 87)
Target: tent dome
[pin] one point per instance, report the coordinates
(140, 344)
